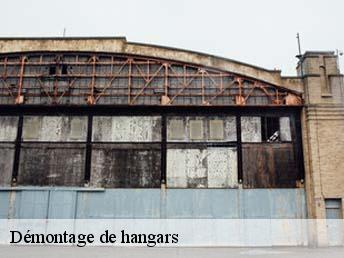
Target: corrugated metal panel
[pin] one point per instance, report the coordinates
(202, 203)
(153, 203)
(62, 204)
(119, 203)
(32, 204)
(4, 204)
(255, 204)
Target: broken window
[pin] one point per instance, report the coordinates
(64, 69)
(270, 129)
(52, 70)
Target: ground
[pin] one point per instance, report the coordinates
(105, 252)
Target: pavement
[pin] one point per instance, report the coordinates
(145, 252)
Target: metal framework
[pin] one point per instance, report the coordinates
(79, 78)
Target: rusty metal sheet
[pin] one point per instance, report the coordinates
(269, 165)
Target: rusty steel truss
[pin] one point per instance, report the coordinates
(79, 78)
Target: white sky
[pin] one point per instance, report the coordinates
(261, 32)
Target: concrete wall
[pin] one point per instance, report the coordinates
(126, 129)
(55, 128)
(201, 128)
(202, 168)
(52, 164)
(126, 166)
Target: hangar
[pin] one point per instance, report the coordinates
(107, 128)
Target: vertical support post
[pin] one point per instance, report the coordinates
(129, 80)
(239, 148)
(297, 142)
(20, 99)
(163, 149)
(17, 147)
(91, 100)
(88, 156)
(202, 85)
(166, 80)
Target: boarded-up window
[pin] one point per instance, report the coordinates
(78, 127)
(285, 129)
(52, 164)
(32, 128)
(6, 163)
(54, 128)
(196, 130)
(176, 130)
(251, 129)
(202, 168)
(216, 130)
(126, 129)
(201, 128)
(8, 128)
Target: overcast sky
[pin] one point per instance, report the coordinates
(259, 32)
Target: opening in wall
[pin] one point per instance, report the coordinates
(270, 129)
(265, 129)
(52, 70)
(64, 69)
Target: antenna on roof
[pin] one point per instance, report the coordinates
(64, 32)
(298, 43)
(299, 56)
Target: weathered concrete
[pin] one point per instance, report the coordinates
(6, 163)
(202, 168)
(285, 132)
(8, 128)
(52, 164)
(126, 166)
(251, 129)
(201, 128)
(126, 129)
(54, 128)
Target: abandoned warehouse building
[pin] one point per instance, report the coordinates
(102, 128)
